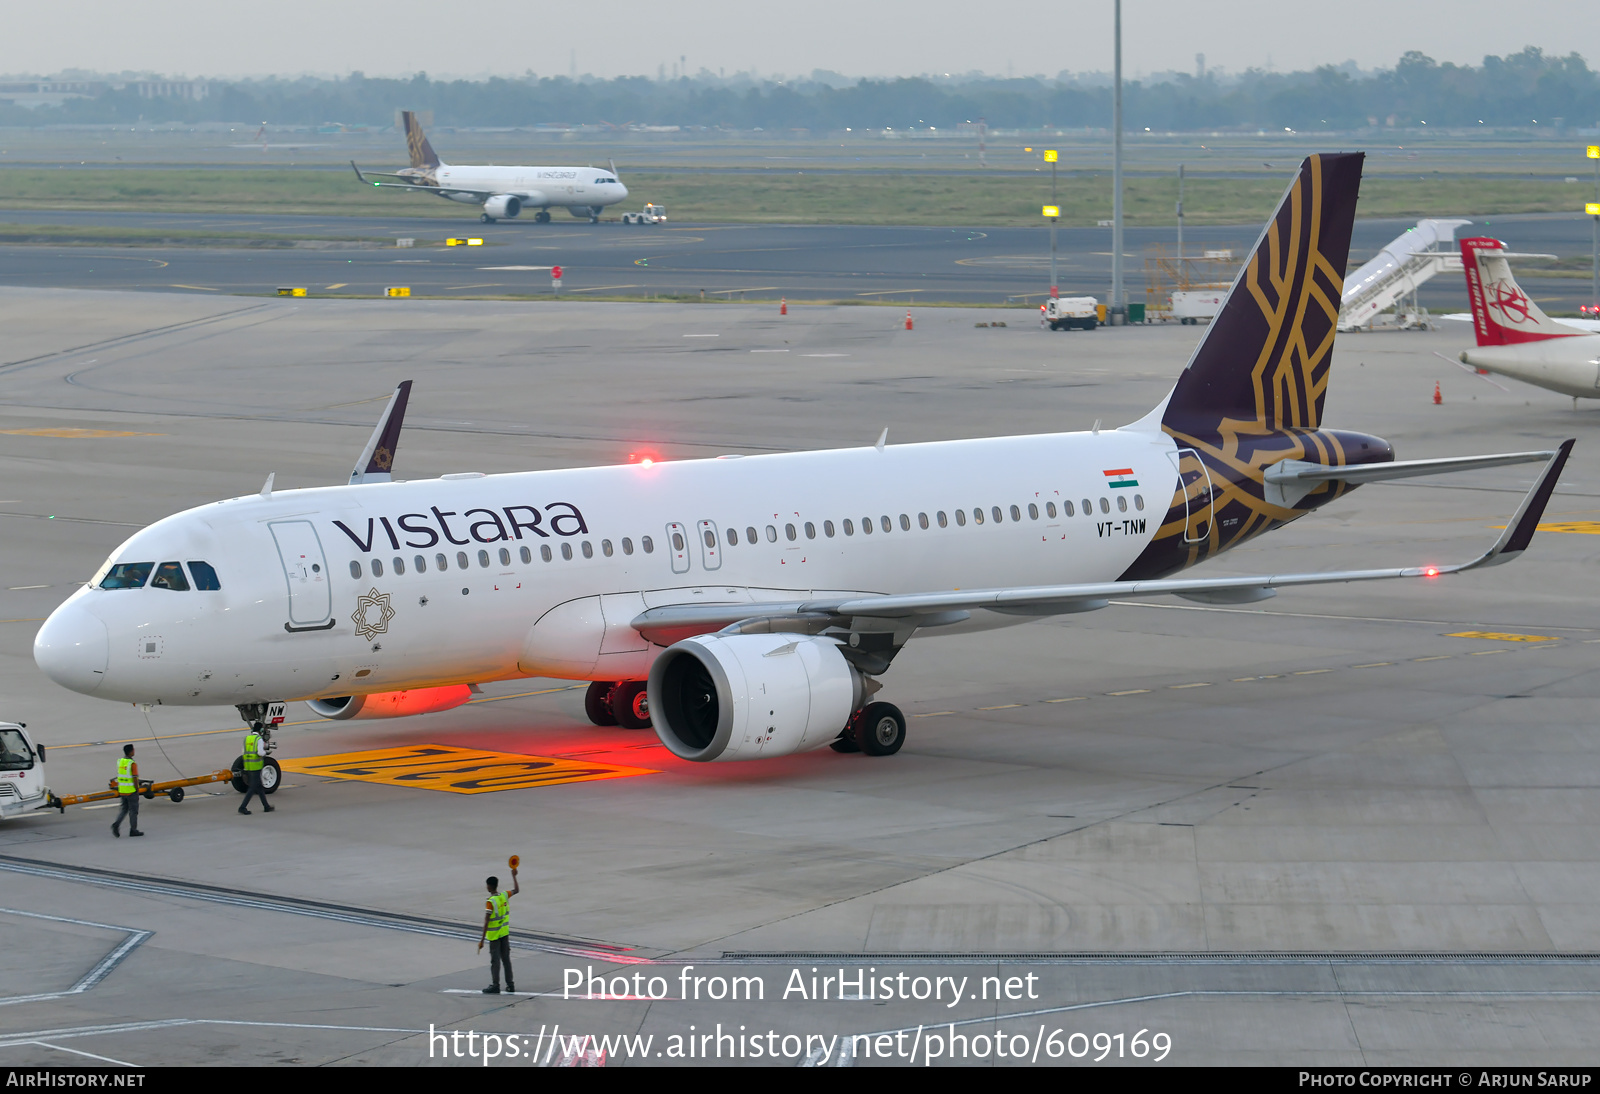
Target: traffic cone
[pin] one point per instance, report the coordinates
(1438, 396)
(908, 319)
(783, 305)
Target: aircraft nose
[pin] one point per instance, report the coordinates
(72, 648)
(624, 189)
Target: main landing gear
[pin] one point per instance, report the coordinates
(542, 216)
(485, 218)
(878, 729)
(625, 704)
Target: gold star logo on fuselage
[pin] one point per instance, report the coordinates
(367, 603)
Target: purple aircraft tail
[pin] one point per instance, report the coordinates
(1263, 365)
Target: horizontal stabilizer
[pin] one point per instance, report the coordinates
(1291, 480)
(376, 462)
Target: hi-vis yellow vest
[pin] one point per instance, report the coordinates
(252, 752)
(499, 908)
(125, 776)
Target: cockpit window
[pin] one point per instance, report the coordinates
(205, 578)
(127, 575)
(169, 575)
(15, 755)
(603, 180)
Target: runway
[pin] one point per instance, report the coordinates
(1354, 825)
(907, 265)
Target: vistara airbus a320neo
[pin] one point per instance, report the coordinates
(747, 607)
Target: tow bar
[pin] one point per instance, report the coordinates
(173, 790)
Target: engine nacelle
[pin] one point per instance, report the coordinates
(391, 704)
(503, 206)
(745, 696)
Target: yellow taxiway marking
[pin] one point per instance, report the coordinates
(457, 770)
(934, 714)
(202, 288)
(1180, 687)
(1135, 691)
(1069, 699)
(1496, 636)
(1311, 672)
(336, 285)
(1375, 665)
(1485, 653)
(1002, 706)
(1436, 657)
(76, 434)
(1583, 527)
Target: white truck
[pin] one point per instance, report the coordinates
(1190, 306)
(1067, 312)
(652, 214)
(22, 783)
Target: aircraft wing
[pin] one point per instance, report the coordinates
(408, 182)
(902, 613)
(1589, 326)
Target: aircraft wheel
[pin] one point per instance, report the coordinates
(597, 703)
(237, 782)
(271, 775)
(542, 216)
(630, 704)
(880, 729)
(485, 218)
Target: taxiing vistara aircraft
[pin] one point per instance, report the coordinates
(502, 191)
(1515, 337)
(746, 606)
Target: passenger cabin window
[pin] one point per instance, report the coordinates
(627, 545)
(606, 548)
(647, 543)
(377, 567)
(922, 520)
(483, 558)
(461, 559)
(677, 543)
(588, 549)
(526, 555)
(827, 528)
(811, 530)
(442, 562)
(127, 575)
(789, 532)
(961, 518)
(421, 563)
(885, 523)
(998, 517)
(866, 526)
(905, 522)
(1033, 512)
(977, 516)
(400, 564)
(1138, 502)
(750, 535)
(1105, 506)
(733, 537)
(355, 570)
(944, 522)
(566, 551)
(1050, 508)
(1066, 508)
(15, 755)
(169, 575)
(772, 534)
(710, 538)
(849, 527)
(205, 578)
(1122, 503)
(505, 556)
(1088, 507)
(544, 552)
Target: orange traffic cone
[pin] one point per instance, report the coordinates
(783, 305)
(908, 319)
(1438, 396)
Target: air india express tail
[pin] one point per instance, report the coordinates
(1502, 314)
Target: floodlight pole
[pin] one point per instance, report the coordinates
(1117, 309)
(1180, 216)
(1057, 204)
(1594, 286)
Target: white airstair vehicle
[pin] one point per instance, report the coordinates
(1396, 272)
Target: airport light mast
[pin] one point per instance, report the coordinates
(1053, 211)
(1593, 209)
(1118, 310)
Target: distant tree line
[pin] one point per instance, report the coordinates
(1521, 90)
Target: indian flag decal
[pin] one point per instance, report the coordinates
(1120, 478)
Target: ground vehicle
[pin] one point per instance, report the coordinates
(1067, 312)
(652, 214)
(22, 783)
(1189, 306)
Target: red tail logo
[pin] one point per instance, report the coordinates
(1502, 314)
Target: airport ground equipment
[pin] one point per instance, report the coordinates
(1190, 306)
(22, 776)
(1070, 312)
(148, 788)
(651, 214)
(1188, 288)
(1396, 272)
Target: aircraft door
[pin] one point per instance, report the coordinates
(306, 571)
(678, 544)
(710, 550)
(1195, 482)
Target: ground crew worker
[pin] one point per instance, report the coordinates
(497, 932)
(253, 764)
(128, 791)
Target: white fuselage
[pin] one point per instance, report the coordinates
(1568, 365)
(389, 586)
(536, 187)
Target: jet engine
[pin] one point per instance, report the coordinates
(503, 206)
(745, 696)
(391, 704)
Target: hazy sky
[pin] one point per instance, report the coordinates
(881, 37)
